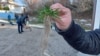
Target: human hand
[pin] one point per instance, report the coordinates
(65, 16)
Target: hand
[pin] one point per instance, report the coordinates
(64, 15)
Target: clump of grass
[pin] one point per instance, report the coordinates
(46, 15)
(47, 11)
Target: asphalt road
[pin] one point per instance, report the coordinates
(28, 43)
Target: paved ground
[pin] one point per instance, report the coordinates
(28, 43)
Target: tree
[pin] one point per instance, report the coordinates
(1, 7)
(83, 5)
(6, 8)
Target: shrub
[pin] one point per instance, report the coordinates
(6, 8)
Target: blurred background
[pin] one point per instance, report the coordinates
(28, 43)
(82, 10)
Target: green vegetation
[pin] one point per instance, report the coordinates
(45, 12)
(1, 7)
(6, 8)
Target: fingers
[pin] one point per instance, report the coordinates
(58, 21)
(56, 6)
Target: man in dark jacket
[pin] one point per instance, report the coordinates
(20, 23)
(16, 16)
(25, 18)
(78, 38)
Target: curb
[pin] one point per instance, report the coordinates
(37, 26)
(32, 25)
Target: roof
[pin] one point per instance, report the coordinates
(12, 3)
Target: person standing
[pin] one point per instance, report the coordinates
(20, 24)
(9, 19)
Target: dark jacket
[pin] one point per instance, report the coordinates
(84, 41)
(20, 20)
(16, 16)
(24, 19)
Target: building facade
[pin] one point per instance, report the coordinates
(13, 6)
